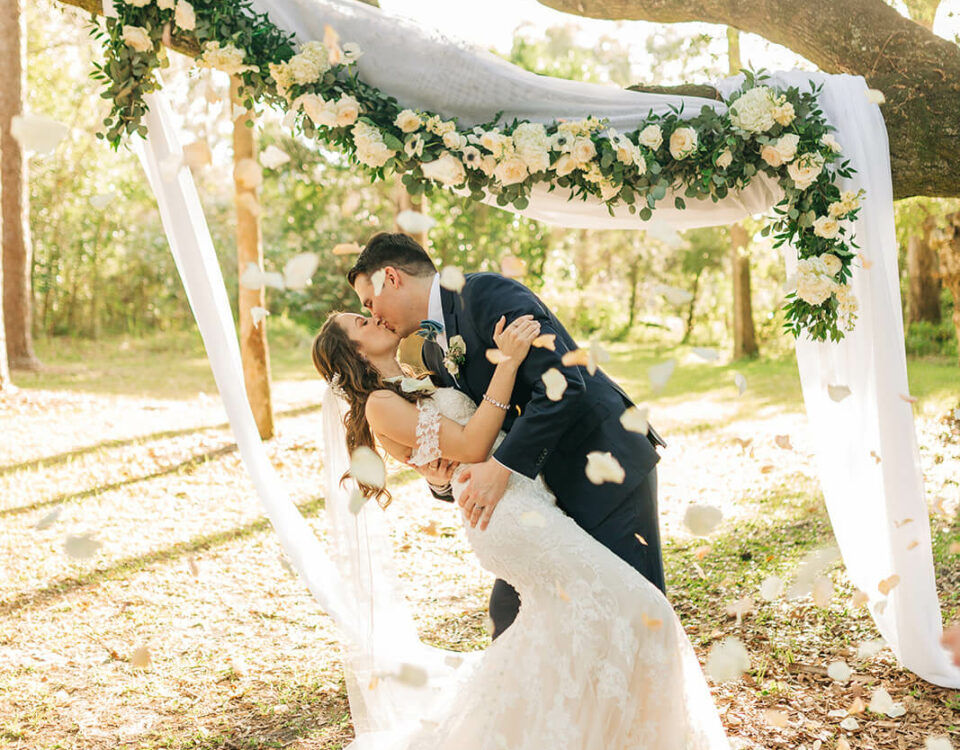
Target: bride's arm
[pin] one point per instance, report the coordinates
(392, 416)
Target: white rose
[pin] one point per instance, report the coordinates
(651, 137)
(814, 282)
(497, 143)
(454, 141)
(850, 199)
(488, 164)
(830, 141)
(805, 170)
(827, 227)
(583, 149)
(184, 16)
(725, 159)
(836, 209)
(511, 171)
(784, 114)
(348, 110)
(753, 110)
(319, 110)
(640, 162)
(683, 142)
(608, 190)
(228, 58)
(138, 38)
(162, 4)
(447, 170)
(565, 165)
(770, 155)
(371, 149)
(782, 151)
(408, 121)
(832, 263)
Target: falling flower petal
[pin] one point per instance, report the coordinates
(783, 441)
(838, 392)
(237, 112)
(875, 456)
(775, 718)
(740, 608)
(904, 522)
(771, 588)
(197, 155)
(298, 271)
(822, 591)
(533, 519)
(248, 202)
(882, 703)
(513, 267)
(865, 261)
(254, 278)
(140, 658)
(412, 675)
(850, 724)
(258, 314)
(869, 649)
(741, 382)
(357, 501)
(650, 622)
(859, 598)
(728, 660)
(347, 248)
(414, 222)
(81, 546)
(839, 671)
(915, 543)
(674, 295)
(273, 157)
(452, 278)
(660, 374)
(555, 382)
(888, 584)
(49, 519)
(908, 399)
(575, 357)
(546, 341)
(495, 356)
(36, 133)
(701, 552)
(248, 174)
(641, 540)
(377, 279)
(875, 96)
(596, 355)
(367, 467)
(603, 467)
(700, 520)
(635, 419)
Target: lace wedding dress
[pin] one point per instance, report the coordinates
(596, 659)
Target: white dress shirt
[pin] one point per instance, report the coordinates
(435, 312)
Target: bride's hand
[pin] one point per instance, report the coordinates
(515, 340)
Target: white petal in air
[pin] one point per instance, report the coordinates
(102, 200)
(254, 278)
(702, 519)
(513, 267)
(728, 660)
(49, 519)
(941, 742)
(740, 381)
(674, 295)
(771, 588)
(377, 280)
(357, 501)
(452, 278)
(81, 546)
(415, 222)
(273, 157)
(635, 419)
(248, 174)
(596, 355)
(197, 155)
(170, 167)
(705, 353)
(869, 649)
(546, 341)
(495, 356)
(298, 271)
(258, 314)
(882, 703)
(555, 382)
(603, 467)
(875, 96)
(36, 133)
(248, 202)
(367, 467)
(660, 374)
(347, 248)
(839, 671)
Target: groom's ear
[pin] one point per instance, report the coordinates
(392, 276)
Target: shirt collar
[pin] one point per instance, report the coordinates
(435, 307)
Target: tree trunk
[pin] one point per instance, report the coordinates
(918, 72)
(17, 289)
(253, 339)
(744, 336)
(5, 384)
(693, 303)
(923, 294)
(949, 249)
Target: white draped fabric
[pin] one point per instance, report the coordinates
(868, 502)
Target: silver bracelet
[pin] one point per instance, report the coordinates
(505, 407)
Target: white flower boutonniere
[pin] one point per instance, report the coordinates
(456, 355)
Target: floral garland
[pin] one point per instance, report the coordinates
(780, 133)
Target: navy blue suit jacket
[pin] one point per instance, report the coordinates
(544, 436)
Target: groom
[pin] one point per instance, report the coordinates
(545, 437)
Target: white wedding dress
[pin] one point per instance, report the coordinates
(596, 659)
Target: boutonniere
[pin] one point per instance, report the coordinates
(456, 355)
(412, 385)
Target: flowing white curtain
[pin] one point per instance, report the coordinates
(868, 502)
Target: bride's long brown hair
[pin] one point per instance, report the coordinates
(335, 353)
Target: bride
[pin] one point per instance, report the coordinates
(596, 658)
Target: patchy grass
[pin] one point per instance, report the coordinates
(113, 440)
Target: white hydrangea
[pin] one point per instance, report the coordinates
(227, 58)
(753, 110)
(847, 306)
(532, 144)
(815, 283)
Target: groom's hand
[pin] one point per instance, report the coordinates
(437, 473)
(486, 483)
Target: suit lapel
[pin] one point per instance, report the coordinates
(450, 302)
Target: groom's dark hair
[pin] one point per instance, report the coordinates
(392, 249)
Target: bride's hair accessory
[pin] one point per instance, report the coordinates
(334, 385)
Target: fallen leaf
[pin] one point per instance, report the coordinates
(869, 649)
(850, 724)
(857, 707)
(767, 468)
(430, 529)
(842, 744)
(141, 658)
(839, 671)
(783, 441)
(641, 540)
(702, 551)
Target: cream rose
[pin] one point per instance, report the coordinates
(163, 4)
(497, 143)
(683, 142)
(488, 164)
(319, 110)
(184, 16)
(782, 151)
(511, 171)
(753, 110)
(138, 38)
(784, 113)
(830, 141)
(832, 263)
(651, 137)
(805, 170)
(454, 141)
(447, 170)
(814, 282)
(583, 149)
(725, 159)
(348, 110)
(827, 227)
(138, 3)
(228, 58)
(565, 165)
(371, 149)
(608, 190)
(408, 121)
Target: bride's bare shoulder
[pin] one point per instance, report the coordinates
(384, 404)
